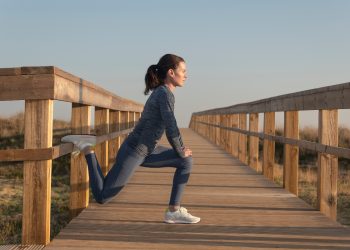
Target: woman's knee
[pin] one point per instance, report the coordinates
(187, 163)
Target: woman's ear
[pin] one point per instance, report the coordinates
(171, 72)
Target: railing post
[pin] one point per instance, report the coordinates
(254, 141)
(101, 128)
(234, 136)
(114, 144)
(227, 133)
(222, 131)
(79, 176)
(291, 153)
(269, 146)
(328, 164)
(124, 123)
(217, 130)
(242, 146)
(37, 174)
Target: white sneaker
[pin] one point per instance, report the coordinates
(80, 142)
(180, 216)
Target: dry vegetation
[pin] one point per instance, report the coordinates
(11, 136)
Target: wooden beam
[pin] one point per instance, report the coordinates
(101, 128)
(254, 141)
(37, 174)
(328, 164)
(330, 97)
(234, 135)
(291, 153)
(114, 144)
(269, 146)
(79, 176)
(34, 83)
(242, 146)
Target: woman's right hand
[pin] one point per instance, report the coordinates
(188, 152)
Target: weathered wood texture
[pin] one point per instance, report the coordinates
(254, 142)
(269, 146)
(239, 208)
(102, 128)
(242, 145)
(114, 144)
(28, 83)
(328, 164)
(37, 174)
(79, 177)
(330, 97)
(291, 153)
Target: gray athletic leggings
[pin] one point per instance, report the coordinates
(127, 160)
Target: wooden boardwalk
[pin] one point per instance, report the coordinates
(240, 209)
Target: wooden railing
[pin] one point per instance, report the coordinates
(39, 86)
(228, 128)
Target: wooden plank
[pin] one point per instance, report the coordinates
(124, 123)
(79, 176)
(114, 144)
(328, 164)
(101, 128)
(269, 146)
(234, 135)
(217, 130)
(242, 146)
(37, 174)
(240, 209)
(89, 94)
(329, 97)
(26, 87)
(291, 153)
(254, 141)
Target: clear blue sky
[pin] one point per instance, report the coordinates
(236, 51)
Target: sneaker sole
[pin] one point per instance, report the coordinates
(181, 222)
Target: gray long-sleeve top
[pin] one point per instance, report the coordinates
(157, 116)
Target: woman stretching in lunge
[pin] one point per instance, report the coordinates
(140, 147)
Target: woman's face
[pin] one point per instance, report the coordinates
(179, 75)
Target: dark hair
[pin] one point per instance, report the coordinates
(157, 73)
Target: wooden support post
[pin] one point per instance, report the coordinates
(242, 146)
(234, 122)
(124, 123)
(132, 118)
(114, 144)
(269, 146)
(37, 174)
(291, 153)
(217, 130)
(79, 176)
(222, 131)
(101, 128)
(254, 141)
(328, 164)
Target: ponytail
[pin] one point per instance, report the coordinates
(157, 73)
(151, 78)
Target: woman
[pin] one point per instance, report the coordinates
(140, 147)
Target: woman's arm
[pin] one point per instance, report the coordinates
(166, 104)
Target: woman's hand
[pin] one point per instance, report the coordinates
(187, 151)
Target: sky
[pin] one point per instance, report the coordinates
(235, 51)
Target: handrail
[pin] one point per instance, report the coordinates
(39, 87)
(229, 128)
(330, 97)
(49, 82)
